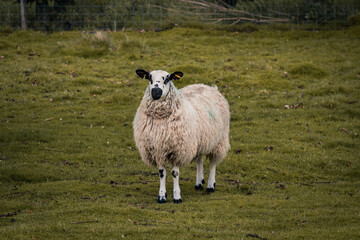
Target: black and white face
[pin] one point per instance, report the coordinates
(159, 81)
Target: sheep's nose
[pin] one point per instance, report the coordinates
(156, 93)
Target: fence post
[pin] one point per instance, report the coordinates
(115, 13)
(24, 24)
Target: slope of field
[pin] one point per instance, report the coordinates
(69, 168)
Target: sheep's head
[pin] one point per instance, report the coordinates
(159, 81)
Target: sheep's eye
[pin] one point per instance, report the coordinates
(166, 79)
(150, 79)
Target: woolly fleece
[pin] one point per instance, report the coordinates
(186, 124)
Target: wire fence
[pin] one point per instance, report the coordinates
(119, 15)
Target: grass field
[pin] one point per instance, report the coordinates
(69, 168)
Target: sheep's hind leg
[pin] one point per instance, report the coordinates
(216, 156)
(175, 173)
(199, 174)
(162, 191)
(211, 182)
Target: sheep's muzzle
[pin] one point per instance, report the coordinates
(156, 93)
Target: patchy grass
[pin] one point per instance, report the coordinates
(68, 163)
(90, 45)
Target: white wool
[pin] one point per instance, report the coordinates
(182, 126)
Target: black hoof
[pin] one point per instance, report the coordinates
(176, 201)
(199, 187)
(161, 200)
(210, 190)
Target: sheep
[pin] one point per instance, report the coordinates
(178, 127)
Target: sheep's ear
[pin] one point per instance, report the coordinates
(143, 74)
(175, 76)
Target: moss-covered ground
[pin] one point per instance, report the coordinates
(69, 168)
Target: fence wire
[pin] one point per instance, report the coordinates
(159, 15)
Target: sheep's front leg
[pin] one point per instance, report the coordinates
(199, 174)
(162, 191)
(175, 173)
(211, 182)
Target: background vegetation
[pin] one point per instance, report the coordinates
(55, 15)
(68, 164)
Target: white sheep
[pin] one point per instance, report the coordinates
(180, 126)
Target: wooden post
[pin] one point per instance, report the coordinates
(23, 14)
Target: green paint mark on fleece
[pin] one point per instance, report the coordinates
(211, 116)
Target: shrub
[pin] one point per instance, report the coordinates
(5, 30)
(355, 20)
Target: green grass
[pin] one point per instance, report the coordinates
(69, 168)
